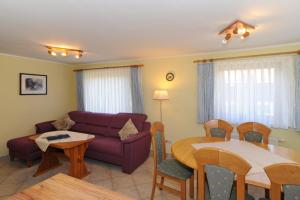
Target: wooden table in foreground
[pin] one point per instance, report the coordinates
(63, 187)
(73, 150)
(183, 151)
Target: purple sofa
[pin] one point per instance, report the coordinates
(107, 146)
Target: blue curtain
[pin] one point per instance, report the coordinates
(136, 90)
(205, 92)
(80, 91)
(297, 100)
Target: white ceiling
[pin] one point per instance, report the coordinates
(133, 29)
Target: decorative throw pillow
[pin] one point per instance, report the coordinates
(127, 130)
(64, 123)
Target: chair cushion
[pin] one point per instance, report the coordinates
(218, 132)
(253, 136)
(109, 145)
(220, 181)
(233, 195)
(22, 145)
(291, 191)
(220, 184)
(172, 167)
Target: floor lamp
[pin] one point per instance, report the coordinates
(160, 95)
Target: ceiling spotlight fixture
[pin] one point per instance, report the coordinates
(237, 28)
(52, 53)
(246, 34)
(241, 30)
(224, 41)
(64, 51)
(235, 31)
(79, 55)
(227, 37)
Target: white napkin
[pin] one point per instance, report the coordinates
(43, 143)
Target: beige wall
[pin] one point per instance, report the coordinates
(179, 112)
(20, 113)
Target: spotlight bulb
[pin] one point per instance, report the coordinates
(79, 55)
(52, 53)
(241, 30)
(64, 54)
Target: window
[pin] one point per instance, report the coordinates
(261, 89)
(107, 90)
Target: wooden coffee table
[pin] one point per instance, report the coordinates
(74, 151)
(63, 187)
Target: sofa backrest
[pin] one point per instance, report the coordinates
(104, 124)
(120, 119)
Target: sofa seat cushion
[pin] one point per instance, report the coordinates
(109, 145)
(22, 145)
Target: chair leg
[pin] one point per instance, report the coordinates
(153, 186)
(192, 186)
(183, 190)
(267, 193)
(162, 180)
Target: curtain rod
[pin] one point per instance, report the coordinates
(249, 56)
(122, 66)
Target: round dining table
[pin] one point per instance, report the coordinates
(183, 151)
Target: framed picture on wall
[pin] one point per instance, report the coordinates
(33, 84)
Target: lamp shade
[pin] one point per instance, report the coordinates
(160, 95)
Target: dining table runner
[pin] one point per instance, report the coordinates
(257, 157)
(43, 143)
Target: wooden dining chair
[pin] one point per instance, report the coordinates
(220, 168)
(287, 177)
(218, 128)
(168, 168)
(254, 132)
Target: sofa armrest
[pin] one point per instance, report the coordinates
(45, 127)
(146, 126)
(136, 151)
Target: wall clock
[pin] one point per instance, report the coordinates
(170, 76)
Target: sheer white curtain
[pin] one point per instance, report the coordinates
(259, 89)
(107, 90)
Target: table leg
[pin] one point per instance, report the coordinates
(196, 175)
(49, 161)
(77, 165)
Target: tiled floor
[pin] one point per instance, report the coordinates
(15, 176)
